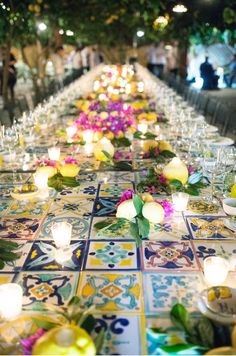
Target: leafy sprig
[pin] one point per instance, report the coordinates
(147, 136)
(121, 142)
(114, 165)
(6, 252)
(58, 182)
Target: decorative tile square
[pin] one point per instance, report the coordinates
(88, 190)
(168, 255)
(68, 192)
(71, 205)
(43, 287)
(205, 249)
(123, 334)
(116, 177)
(6, 278)
(113, 292)
(167, 289)
(5, 193)
(89, 165)
(121, 231)
(114, 189)
(211, 227)
(80, 227)
(4, 205)
(29, 209)
(43, 257)
(105, 206)
(87, 177)
(197, 206)
(22, 251)
(112, 255)
(21, 228)
(173, 228)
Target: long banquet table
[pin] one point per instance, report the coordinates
(132, 288)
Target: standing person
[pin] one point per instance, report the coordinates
(12, 75)
(210, 80)
(85, 59)
(58, 63)
(161, 59)
(232, 73)
(77, 63)
(94, 58)
(152, 59)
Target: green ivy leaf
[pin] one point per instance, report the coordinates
(191, 190)
(180, 318)
(101, 224)
(46, 325)
(149, 135)
(121, 142)
(160, 159)
(138, 134)
(107, 154)
(175, 183)
(143, 226)
(122, 166)
(167, 154)
(138, 204)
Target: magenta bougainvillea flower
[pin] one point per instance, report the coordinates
(45, 162)
(28, 343)
(70, 160)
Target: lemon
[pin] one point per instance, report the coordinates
(176, 169)
(65, 340)
(165, 146)
(69, 170)
(148, 144)
(233, 191)
(47, 170)
(153, 212)
(146, 197)
(97, 136)
(103, 145)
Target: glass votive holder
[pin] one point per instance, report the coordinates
(54, 153)
(180, 201)
(157, 129)
(41, 180)
(61, 233)
(143, 128)
(88, 136)
(11, 299)
(71, 131)
(88, 148)
(215, 270)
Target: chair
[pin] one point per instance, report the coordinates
(210, 109)
(202, 103)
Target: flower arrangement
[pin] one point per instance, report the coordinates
(140, 211)
(67, 331)
(178, 178)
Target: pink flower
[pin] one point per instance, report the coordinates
(28, 343)
(168, 207)
(70, 160)
(126, 195)
(45, 162)
(191, 170)
(152, 189)
(162, 179)
(118, 155)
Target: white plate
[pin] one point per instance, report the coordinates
(221, 141)
(211, 128)
(230, 224)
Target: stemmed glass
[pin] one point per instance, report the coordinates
(210, 164)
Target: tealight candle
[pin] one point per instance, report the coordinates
(54, 153)
(71, 131)
(157, 128)
(143, 128)
(215, 270)
(11, 298)
(180, 201)
(88, 148)
(61, 233)
(88, 136)
(105, 179)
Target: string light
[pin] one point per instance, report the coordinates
(180, 8)
(42, 26)
(69, 33)
(140, 33)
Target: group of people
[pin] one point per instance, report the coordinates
(82, 59)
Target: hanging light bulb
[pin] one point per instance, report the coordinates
(180, 8)
(161, 22)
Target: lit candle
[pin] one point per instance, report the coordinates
(11, 298)
(54, 153)
(215, 270)
(61, 233)
(71, 131)
(88, 136)
(105, 179)
(180, 201)
(143, 128)
(157, 129)
(62, 255)
(41, 182)
(88, 148)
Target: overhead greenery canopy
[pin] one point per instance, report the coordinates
(114, 22)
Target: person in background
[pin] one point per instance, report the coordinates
(85, 59)
(58, 64)
(152, 59)
(210, 79)
(232, 69)
(161, 59)
(12, 75)
(94, 58)
(77, 63)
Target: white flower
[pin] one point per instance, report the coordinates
(126, 210)
(153, 212)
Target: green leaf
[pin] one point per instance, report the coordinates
(138, 203)
(138, 134)
(8, 256)
(101, 224)
(2, 264)
(123, 166)
(149, 135)
(176, 183)
(8, 245)
(134, 232)
(108, 156)
(98, 341)
(167, 154)
(205, 332)
(180, 318)
(191, 190)
(160, 159)
(82, 143)
(88, 324)
(121, 142)
(195, 178)
(46, 325)
(143, 226)
(74, 300)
